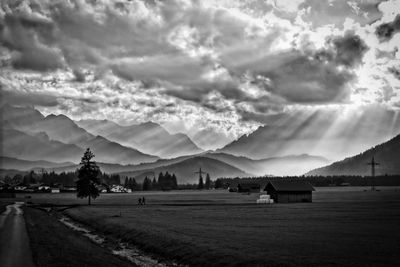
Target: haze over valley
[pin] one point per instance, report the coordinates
(33, 141)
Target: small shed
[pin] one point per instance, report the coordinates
(248, 188)
(290, 191)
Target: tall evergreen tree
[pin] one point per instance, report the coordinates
(146, 184)
(201, 183)
(167, 181)
(207, 184)
(132, 183)
(174, 182)
(88, 175)
(160, 179)
(115, 179)
(218, 183)
(154, 184)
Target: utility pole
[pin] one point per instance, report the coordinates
(373, 164)
(200, 172)
(201, 182)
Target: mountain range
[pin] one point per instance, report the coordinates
(279, 166)
(17, 144)
(31, 140)
(225, 165)
(111, 142)
(27, 134)
(184, 169)
(216, 164)
(386, 154)
(26, 165)
(147, 137)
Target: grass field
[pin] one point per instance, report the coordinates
(53, 244)
(343, 227)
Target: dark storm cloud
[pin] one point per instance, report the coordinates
(386, 31)
(305, 80)
(311, 76)
(79, 75)
(29, 52)
(349, 49)
(395, 71)
(58, 34)
(298, 77)
(115, 29)
(37, 58)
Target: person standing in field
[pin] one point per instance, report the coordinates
(143, 201)
(140, 201)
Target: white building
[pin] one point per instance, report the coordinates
(118, 189)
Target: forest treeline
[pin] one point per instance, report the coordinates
(383, 180)
(164, 181)
(167, 181)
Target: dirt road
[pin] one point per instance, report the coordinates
(15, 250)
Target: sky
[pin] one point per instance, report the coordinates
(214, 70)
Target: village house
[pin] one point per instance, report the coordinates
(20, 188)
(119, 189)
(44, 188)
(289, 191)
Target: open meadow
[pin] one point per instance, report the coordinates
(342, 227)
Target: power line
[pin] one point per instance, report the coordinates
(373, 163)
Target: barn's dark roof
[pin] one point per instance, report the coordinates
(282, 186)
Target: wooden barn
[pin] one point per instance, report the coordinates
(289, 191)
(248, 188)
